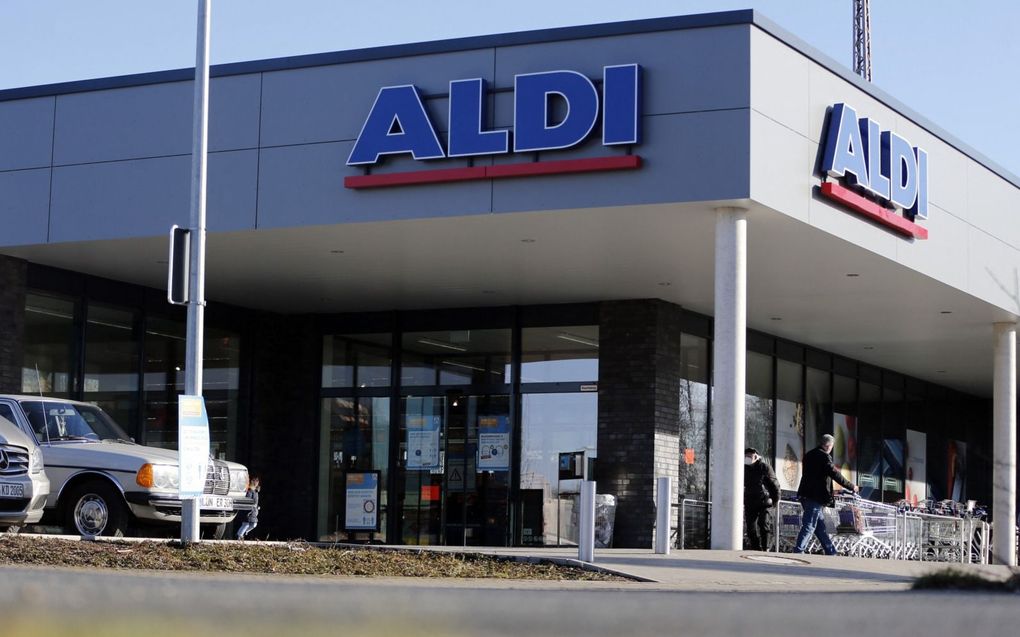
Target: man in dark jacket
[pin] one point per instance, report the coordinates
(761, 493)
(815, 493)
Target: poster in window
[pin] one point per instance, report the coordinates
(423, 442)
(956, 470)
(493, 443)
(844, 449)
(362, 493)
(917, 482)
(789, 443)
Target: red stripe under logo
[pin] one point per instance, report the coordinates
(871, 210)
(503, 171)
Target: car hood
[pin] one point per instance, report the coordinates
(106, 454)
(10, 434)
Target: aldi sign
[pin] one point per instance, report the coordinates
(884, 177)
(399, 124)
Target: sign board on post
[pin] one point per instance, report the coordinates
(423, 442)
(193, 442)
(361, 512)
(493, 443)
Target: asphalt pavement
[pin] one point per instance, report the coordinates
(693, 593)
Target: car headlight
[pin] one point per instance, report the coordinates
(35, 461)
(158, 476)
(238, 480)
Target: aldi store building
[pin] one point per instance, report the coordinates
(442, 265)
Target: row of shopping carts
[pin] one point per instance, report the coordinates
(862, 528)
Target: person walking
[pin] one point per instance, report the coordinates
(815, 493)
(761, 493)
(254, 486)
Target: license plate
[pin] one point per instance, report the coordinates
(217, 502)
(8, 490)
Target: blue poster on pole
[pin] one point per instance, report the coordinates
(193, 445)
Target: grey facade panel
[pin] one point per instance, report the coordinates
(26, 133)
(691, 157)
(24, 206)
(682, 71)
(119, 199)
(153, 121)
(231, 197)
(303, 185)
(330, 103)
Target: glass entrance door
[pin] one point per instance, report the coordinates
(455, 469)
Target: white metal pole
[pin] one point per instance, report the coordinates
(1004, 445)
(663, 512)
(586, 540)
(730, 357)
(196, 305)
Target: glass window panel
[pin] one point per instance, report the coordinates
(789, 424)
(893, 445)
(164, 365)
(560, 354)
(355, 437)
(361, 360)
(694, 416)
(819, 418)
(758, 404)
(869, 440)
(844, 426)
(48, 366)
(111, 364)
(459, 357)
(551, 424)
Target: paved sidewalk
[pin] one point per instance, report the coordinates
(749, 571)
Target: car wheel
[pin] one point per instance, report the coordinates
(214, 531)
(96, 508)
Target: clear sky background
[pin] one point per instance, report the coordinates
(957, 63)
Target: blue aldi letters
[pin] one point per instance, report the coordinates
(399, 124)
(880, 162)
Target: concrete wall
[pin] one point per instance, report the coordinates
(974, 219)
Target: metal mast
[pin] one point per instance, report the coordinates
(862, 39)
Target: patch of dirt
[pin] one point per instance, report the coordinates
(291, 559)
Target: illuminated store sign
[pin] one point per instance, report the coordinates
(881, 172)
(398, 124)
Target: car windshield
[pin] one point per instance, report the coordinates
(64, 421)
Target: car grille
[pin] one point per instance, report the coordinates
(217, 479)
(14, 461)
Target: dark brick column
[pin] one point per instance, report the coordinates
(13, 278)
(284, 433)
(638, 431)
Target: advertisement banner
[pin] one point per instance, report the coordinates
(362, 510)
(917, 452)
(789, 443)
(844, 450)
(193, 445)
(956, 471)
(493, 443)
(423, 442)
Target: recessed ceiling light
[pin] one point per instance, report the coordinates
(940, 371)
(776, 318)
(336, 251)
(664, 284)
(852, 274)
(527, 241)
(946, 312)
(161, 262)
(869, 347)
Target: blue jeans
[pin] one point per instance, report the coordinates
(813, 522)
(245, 529)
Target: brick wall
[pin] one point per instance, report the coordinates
(638, 429)
(13, 277)
(284, 424)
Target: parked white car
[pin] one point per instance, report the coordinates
(103, 483)
(23, 482)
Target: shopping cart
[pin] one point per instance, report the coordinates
(864, 528)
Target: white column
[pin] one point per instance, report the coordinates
(1004, 445)
(729, 360)
(586, 523)
(663, 514)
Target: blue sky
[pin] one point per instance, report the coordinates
(953, 62)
